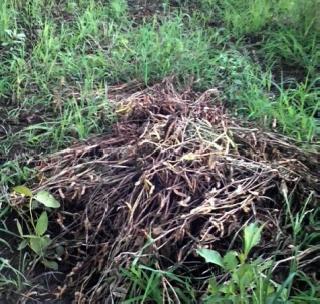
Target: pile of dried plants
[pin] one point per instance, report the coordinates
(176, 172)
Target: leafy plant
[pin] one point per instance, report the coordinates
(36, 238)
(247, 281)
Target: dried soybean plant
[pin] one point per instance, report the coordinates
(176, 172)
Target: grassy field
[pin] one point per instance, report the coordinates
(59, 58)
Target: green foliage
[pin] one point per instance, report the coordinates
(293, 48)
(252, 236)
(248, 282)
(247, 17)
(211, 256)
(12, 173)
(36, 238)
(38, 244)
(147, 284)
(256, 95)
(6, 20)
(162, 48)
(10, 277)
(46, 199)
(25, 191)
(301, 15)
(295, 111)
(42, 224)
(244, 17)
(118, 8)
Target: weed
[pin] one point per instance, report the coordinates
(292, 48)
(244, 17)
(161, 48)
(12, 173)
(7, 21)
(247, 283)
(10, 277)
(295, 111)
(36, 238)
(149, 284)
(303, 16)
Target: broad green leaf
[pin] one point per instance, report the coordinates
(252, 236)
(50, 264)
(230, 260)
(39, 244)
(23, 245)
(211, 256)
(19, 227)
(45, 198)
(23, 190)
(42, 224)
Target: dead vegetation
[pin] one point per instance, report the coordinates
(176, 172)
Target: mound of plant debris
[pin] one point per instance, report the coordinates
(175, 173)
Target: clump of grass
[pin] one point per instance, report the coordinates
(158, 286)
(12, 173)
(300, 15)
(246, 17)
(165, 47)
(288, 29)
(7, 21)
(292, 111)
(10, 277)
(77, 119)
(249, 17)
(295, 110)
(293, 49)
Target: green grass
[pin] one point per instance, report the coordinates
(58, 58)
(49, 60)
(247, 17)
(158, 286)
(248, 280)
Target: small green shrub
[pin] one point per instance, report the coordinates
(249, 280)
(36, 238)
